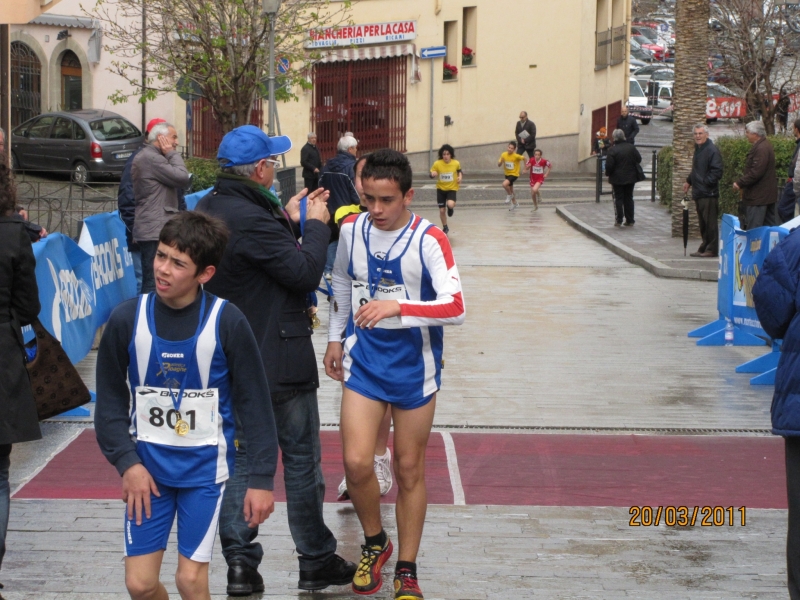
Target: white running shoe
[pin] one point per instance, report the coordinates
(383, 470)
(343, 495)
(508, 199)
(513, 206)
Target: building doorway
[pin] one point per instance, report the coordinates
(366, 97)
(71, 81)
(26, 84)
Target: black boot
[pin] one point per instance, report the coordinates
(243, 579)
(337, 571)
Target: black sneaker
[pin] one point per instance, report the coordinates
(243, 580)
(449, 211)
(446, 229)
(337, 571)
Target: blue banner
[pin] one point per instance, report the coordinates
(750, 249)
(64, 276)
(80, 284)
(113, 278)
(192, 199)
(742, 254)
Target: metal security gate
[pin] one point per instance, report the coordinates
(206, 130)
(366, 97)
(26, 84)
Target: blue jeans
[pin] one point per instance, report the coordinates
(297, 421)
(332, 247)
(5, 463)
(148, 252)
(136, 259)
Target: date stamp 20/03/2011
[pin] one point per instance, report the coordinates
(683, 516)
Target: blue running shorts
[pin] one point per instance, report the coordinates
(198, 516)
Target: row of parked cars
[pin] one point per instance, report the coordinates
(84, 143)
(651, 91)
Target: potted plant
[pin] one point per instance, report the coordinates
(450, 71)
(467, 54)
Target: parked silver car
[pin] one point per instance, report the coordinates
(82, 142)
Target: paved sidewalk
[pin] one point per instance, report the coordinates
(648, 244)
(561, 336)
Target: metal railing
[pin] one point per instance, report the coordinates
(60, 205)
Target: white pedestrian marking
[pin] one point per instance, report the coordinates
(452, 466)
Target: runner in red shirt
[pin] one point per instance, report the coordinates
(539, 169)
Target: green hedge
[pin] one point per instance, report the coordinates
(664, 175)
(205, 172)
(734, 152)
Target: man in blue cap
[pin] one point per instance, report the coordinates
(268, 275)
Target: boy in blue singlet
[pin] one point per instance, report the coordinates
(172, 367)
(396, 273)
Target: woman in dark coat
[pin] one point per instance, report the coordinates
(19, 305)
(622, 174)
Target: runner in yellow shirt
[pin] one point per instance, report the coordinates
(510, 161)
(448, 171)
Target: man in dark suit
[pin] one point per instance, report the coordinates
(311, 162)
(525, 133)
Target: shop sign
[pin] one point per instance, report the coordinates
(359, 35)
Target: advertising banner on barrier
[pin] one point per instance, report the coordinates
(113, 278)
(741, 256)
(64, 277)
(750, 249)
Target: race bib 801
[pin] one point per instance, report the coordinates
(156, 417)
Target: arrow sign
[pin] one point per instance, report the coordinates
(433, 52)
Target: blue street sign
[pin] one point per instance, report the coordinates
(433, 52)
(283, 65)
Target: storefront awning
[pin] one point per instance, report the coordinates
(370, 52)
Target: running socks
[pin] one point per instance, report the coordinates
(376, 540)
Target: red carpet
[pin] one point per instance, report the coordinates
(523, 469)
(615, 470)
(80, 471)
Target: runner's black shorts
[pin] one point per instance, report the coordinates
(511, 179)
(442, 196)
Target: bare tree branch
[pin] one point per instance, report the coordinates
(221, 45)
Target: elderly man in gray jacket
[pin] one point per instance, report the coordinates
(158, 174)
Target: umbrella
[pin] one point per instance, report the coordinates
(685, 204)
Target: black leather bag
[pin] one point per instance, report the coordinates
(57, 386)
(640, 176)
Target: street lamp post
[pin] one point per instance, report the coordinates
(270, 8)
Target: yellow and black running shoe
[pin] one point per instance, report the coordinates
(406, 586)
(368, 579)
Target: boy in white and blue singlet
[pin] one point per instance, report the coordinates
(395, 271)
(171, 368)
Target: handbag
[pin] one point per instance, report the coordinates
(57, 386)
(640, 176)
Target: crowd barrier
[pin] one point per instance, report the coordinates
(741, 256)
(81, 283)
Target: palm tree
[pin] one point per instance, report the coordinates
(691, 74)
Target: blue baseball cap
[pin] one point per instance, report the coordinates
(248, 144)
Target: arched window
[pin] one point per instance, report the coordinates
(26, 84)
(71, 85)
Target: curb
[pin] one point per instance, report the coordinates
(655, 267)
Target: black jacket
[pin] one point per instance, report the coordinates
(530, 127)
(268, 276)
(706, 171)
(338, 178)
(310, 160)
(629, 126)
(19, 305)
(621, 163)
